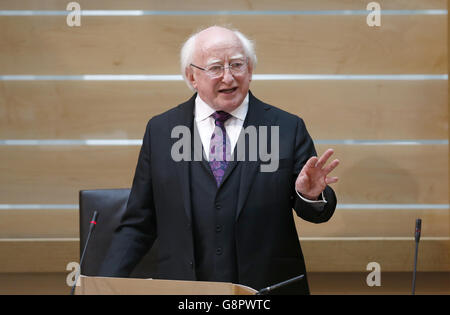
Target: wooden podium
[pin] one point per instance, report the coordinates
(132, 286)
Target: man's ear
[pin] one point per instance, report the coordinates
(250, 71)
(190, 76)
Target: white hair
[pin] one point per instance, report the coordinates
(188, 48)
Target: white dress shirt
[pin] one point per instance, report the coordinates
(205, 122)
(233, 126)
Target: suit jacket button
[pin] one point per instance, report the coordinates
(191, 264)
(217, 206)
(219, 251)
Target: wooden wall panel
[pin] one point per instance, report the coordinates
(392, 283)
(286, 44)
(42, 223)
(45, 175)
(63, 223)
(351, 255)
(374, 110)
(37, 255)
(222, 5)
(391, 174)
(368, 174)
(34, 284)
(378, 223)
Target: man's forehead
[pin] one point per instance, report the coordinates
(214, 59)
(221, 51)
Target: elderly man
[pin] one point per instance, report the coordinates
(220, 217)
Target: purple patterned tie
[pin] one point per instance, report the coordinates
(219, 152)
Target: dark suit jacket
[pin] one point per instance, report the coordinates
(159, 206)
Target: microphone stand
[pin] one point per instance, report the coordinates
(91, 229)
(417, 238)
(268, 289)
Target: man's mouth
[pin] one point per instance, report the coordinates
(228, 91)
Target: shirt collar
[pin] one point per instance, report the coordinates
(203, 110)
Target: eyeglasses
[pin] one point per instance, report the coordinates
(236, 67)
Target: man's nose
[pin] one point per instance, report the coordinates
(227, 75)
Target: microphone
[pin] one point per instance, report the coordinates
(268, 289)
(92, 225)
(417, 239)
(418, 228)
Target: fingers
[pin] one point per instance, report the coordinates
(331, 166)
(331, 180)
(311, 163)
(324, 158)
(318, 164)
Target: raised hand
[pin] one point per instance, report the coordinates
(313, 177)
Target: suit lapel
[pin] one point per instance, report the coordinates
(184, 116)
(256, 116)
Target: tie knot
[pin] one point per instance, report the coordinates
(220, 116)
